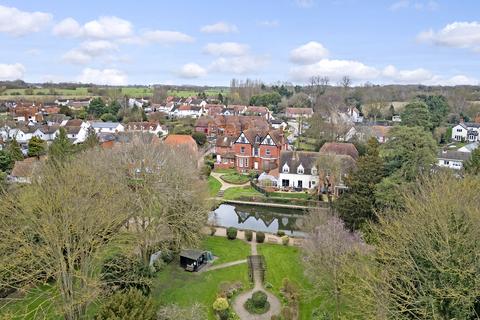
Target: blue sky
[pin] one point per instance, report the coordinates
(211, 42)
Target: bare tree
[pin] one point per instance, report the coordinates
(169, 196)
(56, 227)
(328, 249)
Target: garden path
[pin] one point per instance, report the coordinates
(275, 305)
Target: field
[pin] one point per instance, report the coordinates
(82, 92)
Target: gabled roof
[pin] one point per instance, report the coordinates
(25, 168)
(224, 141)
(181, 139)
(339, 149)
(101, 125)
(453, 155)
(294, 159)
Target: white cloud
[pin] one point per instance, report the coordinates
(305, 3)
(238, 65)
(166, 37)
(219, 27)
(419, 75)
(335, 70)
(68, 27)
(226, 49)
(269, 23)
(11, 71)
(192, 70)
(88, 51)
(107, 27)
(430, 5)
(308, 53)
(19, 23)
(456, 34)
(456, 80)
(106, 77)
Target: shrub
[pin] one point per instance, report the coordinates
(285, 240)
(205, 170)
(258, 303)
(228, 289)
(248, 235)
(260, 237)
(280, 233)
(168, 255)
(159, 265)
(199, 137)
(131, 304)
(231, 233)
(220, 304)
(122, 272)
(259, 299)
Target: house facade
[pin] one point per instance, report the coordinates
(258, 150)
(298, 169)
(107, 127)
(295, 113)
(466, 131)
(452, 159)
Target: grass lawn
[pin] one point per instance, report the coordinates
(213, 186)
(285, 262)
(228, 171)
(226, 250)
(237, 192)
(235, 178)
(295, 195)
(174, 285)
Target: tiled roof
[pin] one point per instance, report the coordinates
(294, 159)
(339, 149)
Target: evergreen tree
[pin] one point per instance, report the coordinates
(61, 148)
(6, 162)
(92, 140)
(438, 108)
(97, 107)
(15, 151)
(36, 147)
(357, 205)
(416, 114)
(127, 305)
(472, 166)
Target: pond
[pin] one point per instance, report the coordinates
(257, 218)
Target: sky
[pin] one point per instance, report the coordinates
(431, 42)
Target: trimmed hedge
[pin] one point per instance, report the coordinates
(260, 237)
(231, 233)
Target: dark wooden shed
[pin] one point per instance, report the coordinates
(192, 260)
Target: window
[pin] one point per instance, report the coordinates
(255, 152)
(314, 171)
(285, 169)
(242, 149)
(267, 152)
(313, 183)
(446, 162)
(268, 140)
(257, 139)
(300, 170)
(459, 130)
(242, 139)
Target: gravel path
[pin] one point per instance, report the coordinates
(275, 305)
(221, 266)
(226, 185)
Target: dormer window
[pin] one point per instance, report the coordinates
(257, 139)
(242, 139)
(314, 171)
(285, 169)
(300, 169)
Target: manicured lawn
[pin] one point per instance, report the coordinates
(237, 192)
(295, 195)
(285, 262)
(218, 170)
(213, 186)
(226, 250)
(174, 285)
(235, 178)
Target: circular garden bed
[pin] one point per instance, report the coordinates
(235, 178)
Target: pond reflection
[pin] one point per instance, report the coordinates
(258, 218)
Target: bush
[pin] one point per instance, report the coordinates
(258, 303)
(260, 237)
(122, 272)
(231, 233)
(199, 137)
(248, 235)
(205, 170)
(285, 240)
(259, 299)
(159, 265)
(220, 306)
(280, 233)
(228, 289)
(168, 256)
(131, 304)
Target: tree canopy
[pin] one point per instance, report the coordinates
(416, 114)
(36, 147)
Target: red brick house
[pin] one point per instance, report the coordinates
(258, 150)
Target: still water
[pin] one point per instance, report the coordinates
(258, 218)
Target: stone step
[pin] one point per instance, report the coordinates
(220, 193)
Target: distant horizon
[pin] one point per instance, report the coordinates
(426, 42)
